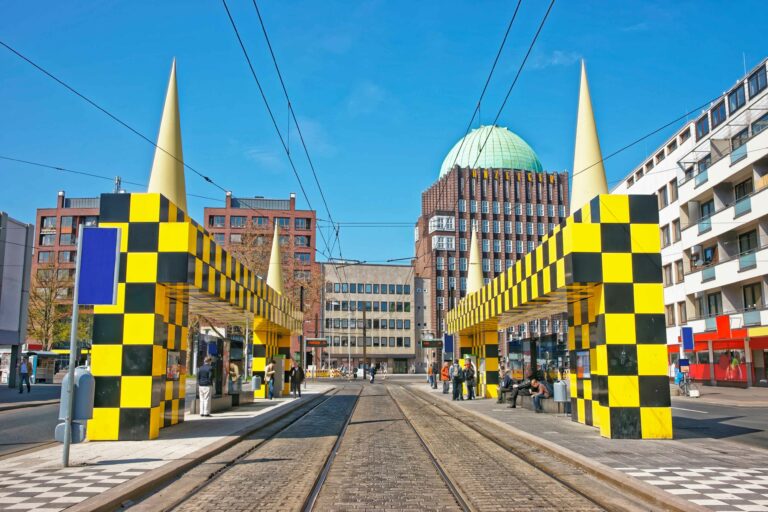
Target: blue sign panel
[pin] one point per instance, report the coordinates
(99, 258)
(686, 333)
(447, 343)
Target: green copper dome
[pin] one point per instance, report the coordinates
(503, 150)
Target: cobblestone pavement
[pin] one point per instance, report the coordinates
(279, 475)
(381, 464)
(478, 466)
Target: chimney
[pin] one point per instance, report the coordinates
(228, 200)
(60, 200)
(293, 200)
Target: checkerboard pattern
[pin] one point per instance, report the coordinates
(602, 265)
(49, 490)
(169, 266)
(717, 488)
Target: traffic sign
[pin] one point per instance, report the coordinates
(685, 366)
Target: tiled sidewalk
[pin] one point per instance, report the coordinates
(36, 481)
(716, 473)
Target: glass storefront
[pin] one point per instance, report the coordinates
(545, 355)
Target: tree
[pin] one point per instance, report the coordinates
(50, 308)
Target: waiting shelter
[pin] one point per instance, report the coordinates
(170, 268)
(602, 265)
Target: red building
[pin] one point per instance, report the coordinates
(246, 217)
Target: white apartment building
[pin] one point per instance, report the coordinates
(711, 180)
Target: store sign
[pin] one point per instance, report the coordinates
(98, 266)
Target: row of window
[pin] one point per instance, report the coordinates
(667, 194)
(376, 306)
(449, 245)
(370, 341)
(384, 289)
(67, 221)
(64, 256)
(62, 274)
(717, 115)
(529, 208)
(240, 221)
(711, 304)
(679, 273)
(64, 239)
(375, 323)
(661, 155)
(532, 192)
(237, 238)
(540, 228)
(736, 142)
(666, 240)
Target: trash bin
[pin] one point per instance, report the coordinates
(561, 395)
(256, 383)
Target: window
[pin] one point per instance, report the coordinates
(472, 206)
(283, 222)
(368, 288)
(301, 241)
(672, 146)
(551, 210)
(237, 221)
(718, 114)
(739, 140)
(353, 288)
(49, 223)
(391, 289)
(462, 284)
(714, 304)
(302, 223)
(440, 263)
(336, 287)
(630, 181)
(676, 230)
(682, 313)
(302, 275)
(508, 247)
(440, 283)
(667, 275)
(736, 99)
(218, 238)
(47, 240)
(760, 125)
(66, 239)
(518, 209)
(451, 283)
(519, 246)
(496, 226)
(484, 206)
(284, 240)
(743, 189)
(710, 255)
(66, 222)
(486, 246)
(529, 228)
(748, 242)
(261, 222)
(753, 296)
(463, 264)
(540, 229)
(507, 208)
(663, 197)
(497, 266)
(707, 209)
(673, 191)
(462, 205)
(679, 274)
(540, 210)
(44, 256)
(665, 240)
(702, 127)
(67, 256)
(216, 221)
(486, 226)
(530, 245)
(462, 244)
(519, 228)
(756, 82)
(302, 257)
(399, 289)
(236, 238)
(562, 210)
(462, 225)
(529, 209)
(497, 246)
(508, 227)
(685, 135)
(669, 315)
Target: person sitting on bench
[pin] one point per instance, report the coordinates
(539, 391)
(505, 387)
(521, 388)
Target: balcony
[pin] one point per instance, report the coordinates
(727, 271)
(751, 317)
(708, 274)
(701, 178)
(747, 261)
(705, 225)
(742, 206)
(738, 154)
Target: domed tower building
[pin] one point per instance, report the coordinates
(491, 182)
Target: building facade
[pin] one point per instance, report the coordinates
(253, 220)
(372, 304)
(710, 180)
(504, 194)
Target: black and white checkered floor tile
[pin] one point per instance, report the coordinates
(717, 488)
(49, 490)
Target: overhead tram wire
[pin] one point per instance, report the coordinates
(291, 110)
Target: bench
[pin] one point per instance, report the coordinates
(526, 402)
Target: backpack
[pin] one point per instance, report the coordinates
(458, 373)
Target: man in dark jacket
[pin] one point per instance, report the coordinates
(204, 384)
(469, 379)
(435, 374)
(505, 387)
(297, 377)
(521, 388)
(457, 376)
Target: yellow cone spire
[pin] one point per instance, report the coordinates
(588, 171)
(475, 274)
(167, 175)
(275, 271)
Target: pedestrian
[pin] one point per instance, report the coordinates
(539, 390)
(25, 369)
(505, 387)
(469, 378)
(457, 376)
(521, 388)
(297, 377)
(373, 373)
(204, 383)
(430, 376)
(445, 377)
(435, 372)
(269, 374)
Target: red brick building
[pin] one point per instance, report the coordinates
(239, 216)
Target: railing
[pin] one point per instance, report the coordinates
(705, 225)
(701, 178)
(738, 153)
(742, 206)
(752, 317)
(708, 274)
(747, 260)
(710, 323)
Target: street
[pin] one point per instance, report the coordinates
(696, 420)
(27, 427)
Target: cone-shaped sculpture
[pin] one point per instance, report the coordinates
(167, 175)
(588, 171)
(275, 271)
(475, 274)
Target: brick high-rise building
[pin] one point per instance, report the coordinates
(505, 195)
(242, 217)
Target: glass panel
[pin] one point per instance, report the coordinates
(742, 206)
(709, 324)
(705, 225)
(701, 178)
(707, 274)
(751, 318)
(747, 260)
(738, 153)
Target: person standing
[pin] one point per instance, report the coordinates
(445, 377)
(25, 370)
(373, 373)
(269, 374)
(430, 376)
(297, 377)
(204, 383)
(457, 376)
(435, 372)
(469, 378)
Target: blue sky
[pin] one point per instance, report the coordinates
(382, 90)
